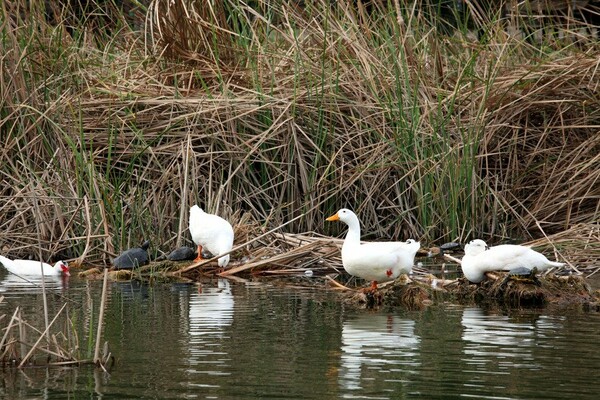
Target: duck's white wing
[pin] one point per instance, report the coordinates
(26, 267)
(212, 232)
(375, 253)
(378, 260)
(507, 257)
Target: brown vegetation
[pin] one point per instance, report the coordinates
(280, 112)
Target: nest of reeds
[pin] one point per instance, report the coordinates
(274, 254)
(503, 289)
(500, 289)
(403, 292)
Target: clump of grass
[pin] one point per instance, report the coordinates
(281, 110)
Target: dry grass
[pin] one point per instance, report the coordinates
(281, 111)
(578, 246)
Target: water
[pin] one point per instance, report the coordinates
(256, 340)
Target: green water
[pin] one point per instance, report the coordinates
(265, 340)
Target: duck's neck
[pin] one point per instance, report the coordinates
(353, 235)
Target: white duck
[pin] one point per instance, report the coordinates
(479, 259)
(212, 233)
(32, 267)
(375, 261)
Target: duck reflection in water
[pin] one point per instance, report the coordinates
(372, 344)
(32, 284)
(493, 339)
(210, 313)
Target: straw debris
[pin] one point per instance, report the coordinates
(549, 289)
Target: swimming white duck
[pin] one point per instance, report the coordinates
(212, 233)
(479, 259)
(374, 261)
(32, 267)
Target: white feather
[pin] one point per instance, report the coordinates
(479, 259)
(211, 232)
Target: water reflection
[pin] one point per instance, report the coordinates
(131, 290)
(374, 343)
(21, 383)
(263, 341)
(16, 285)
(504, 341)
(210, 314)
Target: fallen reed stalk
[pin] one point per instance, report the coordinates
(97, 359)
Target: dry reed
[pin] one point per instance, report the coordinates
(281, 110)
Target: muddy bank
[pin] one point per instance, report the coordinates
(499, 290)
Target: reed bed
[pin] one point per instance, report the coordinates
(579, 247)
(55, 344)
(117, 123)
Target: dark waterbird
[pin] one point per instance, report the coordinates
(181, 254)
(132, 258)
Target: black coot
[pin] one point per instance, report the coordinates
(133, 258)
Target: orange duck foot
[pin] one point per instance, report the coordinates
(372, 288)
(199, 257)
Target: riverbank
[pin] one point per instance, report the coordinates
(280, 113)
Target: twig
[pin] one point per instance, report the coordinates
(36, 214)
(453, 259)
(22, 334)
(336, 283)
(88, 236)
(9, 327)
(100, 319)
(184, 193)
(593, 273)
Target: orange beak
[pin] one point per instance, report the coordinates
(334, 217)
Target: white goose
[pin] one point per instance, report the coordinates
(479, 259)
(32, 267)
(212, 233)
(375, 261)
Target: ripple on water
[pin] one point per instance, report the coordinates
(224, 340)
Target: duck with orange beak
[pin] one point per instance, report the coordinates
(374, 261)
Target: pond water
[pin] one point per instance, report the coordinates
(254, 340)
